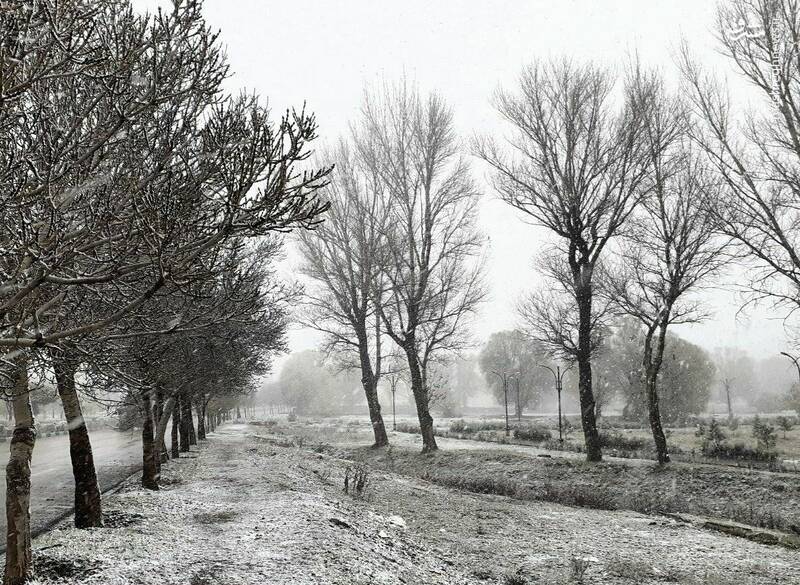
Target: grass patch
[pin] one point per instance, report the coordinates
(215, 517)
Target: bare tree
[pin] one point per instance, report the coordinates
(578, 169)
(670, 247)
(431, 266)
(343, 257)
(756, 152)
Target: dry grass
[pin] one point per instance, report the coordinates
(756, 498)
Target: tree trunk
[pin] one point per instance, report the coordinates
(728, 398)
(369, 382)
(149, 454)
(88, 501)
(161, 428)
(190, 416)
(176, 421)
(652, 365)
(370, 385)
(591, 437)
(159, 414)
(420, 393)
(201, 422)
(18, 566)
(186, 419)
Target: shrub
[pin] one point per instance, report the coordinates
(578, 567)
(532, 433)
(490, 425)
(733, 423)
(356, 480)
(713, 438)
(459, 426)
(292, 417)
(407, 428)
(618, 441)
(515, 578)
(786, 424)
(737, 451)
(764, 433)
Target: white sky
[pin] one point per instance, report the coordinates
(324, 51)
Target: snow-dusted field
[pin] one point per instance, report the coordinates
(257, 510)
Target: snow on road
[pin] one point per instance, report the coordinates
(116, 456)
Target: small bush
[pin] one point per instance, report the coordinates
(578, 568)
(532, 433)
(515, 578)
(459, 426)
(764, 433)
(733, 423)
(713, 438)
(618, 441)
(762, 516)
(737, 451)
(292, 417)
(786, 424)
(630, 569)
(356, 480)
(407, 428)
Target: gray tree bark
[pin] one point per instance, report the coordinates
(88, 501)
(18, 565)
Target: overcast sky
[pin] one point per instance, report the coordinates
(323, 52)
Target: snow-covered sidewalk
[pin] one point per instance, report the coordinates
(248, 507)
(240, 511)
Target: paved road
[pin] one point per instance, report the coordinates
(116, 456)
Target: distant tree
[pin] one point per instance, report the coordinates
(579, 169)
(619, 365)
(513, 354)
(311, 385)
(793, 398)
(773, 380)
(452, 383)
(735, 375)
(687, 378)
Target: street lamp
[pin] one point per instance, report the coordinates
(504, 377)
(795, 360)
(393, 386)
(558, 376)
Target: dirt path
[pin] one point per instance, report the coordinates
(248, 511)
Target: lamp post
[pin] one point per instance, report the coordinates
(558, 376)
(519, 405)
(504, 377)
(393, 387)
(794, 360)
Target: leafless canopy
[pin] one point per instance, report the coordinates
(758, 157)
(431, 262)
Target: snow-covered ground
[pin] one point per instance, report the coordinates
(244, 510)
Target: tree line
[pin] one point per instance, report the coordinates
(648, 192)
(142, 212)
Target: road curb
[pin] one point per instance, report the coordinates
(69, 512)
